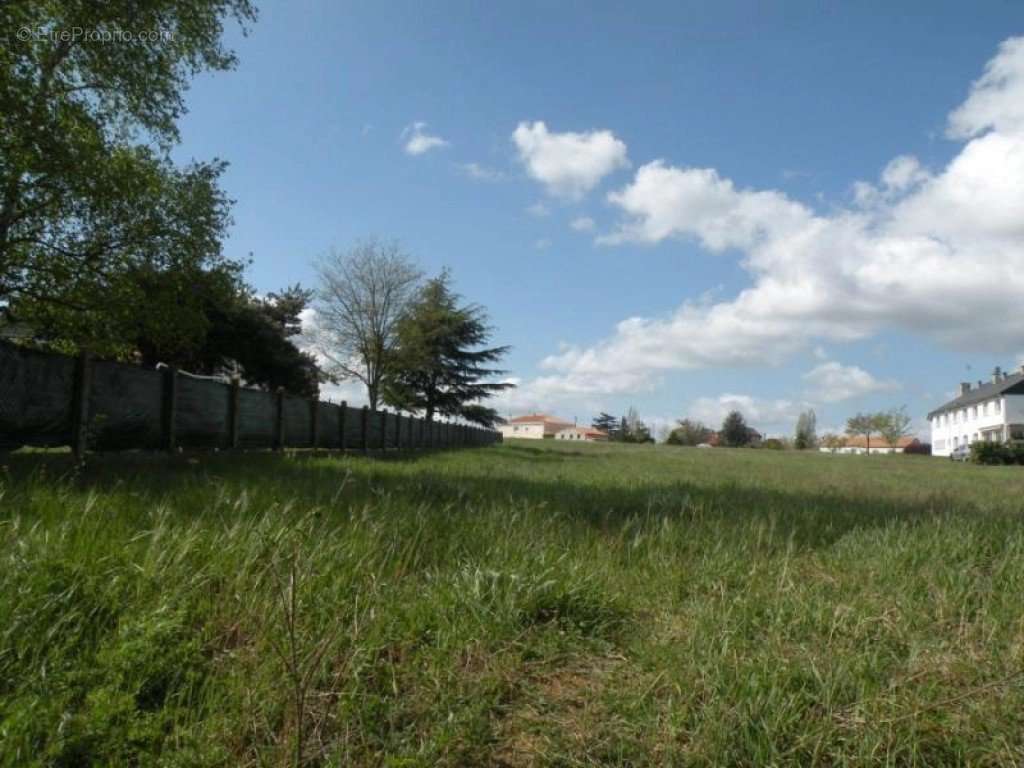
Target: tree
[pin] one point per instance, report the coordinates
(806, 431)
(607, 424)
(633, 430)
(863, 424)
(232, 331)
(689, 432)
(833, 441)
(441, 364)
(83, 210)
(734, 432)
(893, 424)
(363, 295)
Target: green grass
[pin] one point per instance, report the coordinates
(528, 604)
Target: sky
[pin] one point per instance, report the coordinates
(683, 207)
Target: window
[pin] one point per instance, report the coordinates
(999, 406)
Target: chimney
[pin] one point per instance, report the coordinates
(965, 387)
(997, 375)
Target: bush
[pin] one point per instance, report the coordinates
(994, 453)
(773, 444)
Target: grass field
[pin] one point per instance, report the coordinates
(528, 604)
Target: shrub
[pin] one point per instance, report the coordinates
(993, 453)
(773, 444)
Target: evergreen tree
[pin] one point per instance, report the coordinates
(734, 430)
(607, 424)
(441, 365)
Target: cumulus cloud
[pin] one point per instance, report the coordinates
(582, 224)
(762, 414)
(418, 141)
(568, 164)
(937, 254)
(834, 382)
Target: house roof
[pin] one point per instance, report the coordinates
(877, 441)
(1012, 384)
(540, 418)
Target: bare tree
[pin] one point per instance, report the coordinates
(362, 295)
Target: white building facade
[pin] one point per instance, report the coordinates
(992, 411)
(536, 426)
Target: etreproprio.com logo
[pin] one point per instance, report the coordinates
(89, 35)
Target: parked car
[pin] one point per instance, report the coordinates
(961, 453)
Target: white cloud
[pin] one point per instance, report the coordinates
(939, 255)
(418, 141)
(538, 209)
(582, 224)
(480, 172)
(542, 244)
(833, 382)
(568, 164)
(762, 414)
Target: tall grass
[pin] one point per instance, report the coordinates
(517, 605)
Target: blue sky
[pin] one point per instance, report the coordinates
(760, 273)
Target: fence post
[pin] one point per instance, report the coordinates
(366, 429)
(80, 406)
(279, 419)
(383, 429)
(314, 422)
(234, 419)
(398, 430)
(169, 407)
(341, 425)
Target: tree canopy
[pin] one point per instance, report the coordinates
(688, 432)
(90, 202)
(734, 432)
(442, 364)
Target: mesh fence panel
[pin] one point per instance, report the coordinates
(327, 425)
(201, 420)
(255, 419)
(124, 407)
(35, 397)
(298, 432)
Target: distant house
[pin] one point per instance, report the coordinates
(992, 411)
(587, 434)
(754, 438)
(535, 426)
(859, 444)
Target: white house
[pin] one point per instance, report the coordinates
(535, 426)
(586, 434)
(992, 411)
(859, 444)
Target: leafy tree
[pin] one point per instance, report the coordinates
(806, 431)
(689, 432)
(84, 211)
(363, 295)
(607, 424)
(864, 424)
(734, 432)
(441, 364)
(893, 424)
(233, 331)
(832, 441)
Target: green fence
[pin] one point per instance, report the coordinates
(48, 399)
